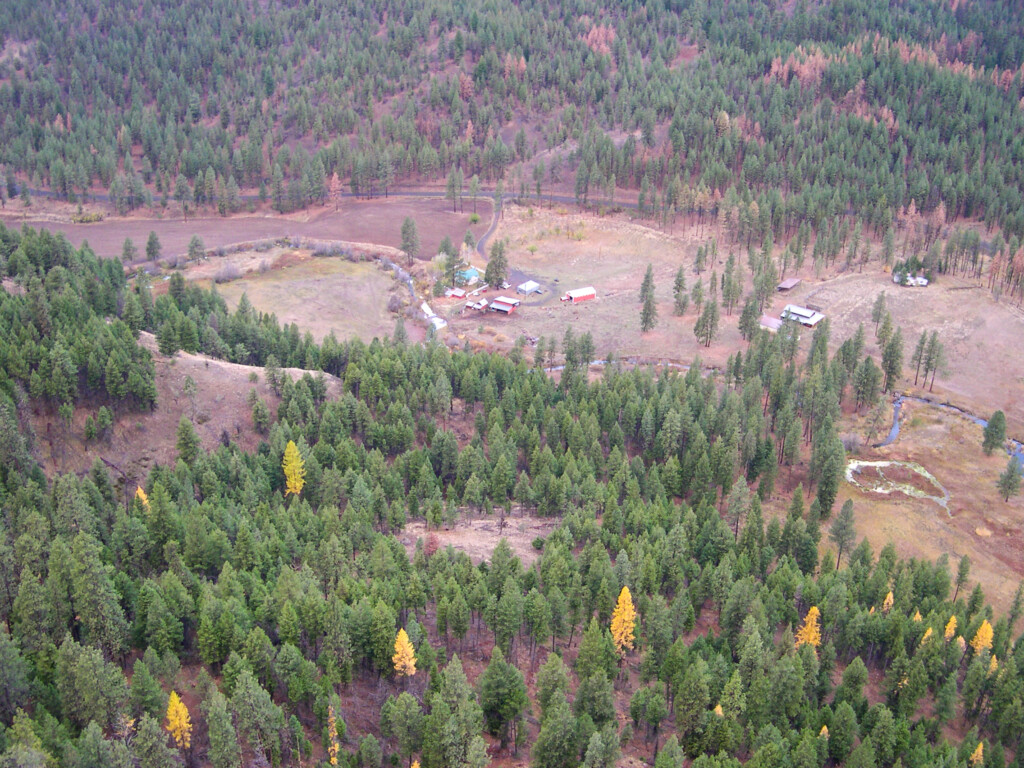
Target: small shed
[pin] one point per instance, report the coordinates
(478, 305)
(580, 294)
(806, 317)
(455, 293)
(528, 287)
(770, 323)
(505, 305)
(788, 284)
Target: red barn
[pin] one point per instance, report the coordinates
(580, 294)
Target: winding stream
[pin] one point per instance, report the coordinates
(1015, 449)
(874, 480)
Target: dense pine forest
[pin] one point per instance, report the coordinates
(863, 107)
(700, 598)
(241, 608)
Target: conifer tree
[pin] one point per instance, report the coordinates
(294, 469)
(682, 298)
(623, 621)
(982, 640)
(404, 659)
(810, 632)
(502, 697)
(994, 433)
(179, 725)
(648, 313)
(1009, 480)
(224, 750)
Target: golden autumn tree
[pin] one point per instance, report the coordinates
(332, 734)
(294, 469)
(623, 621)
(887, 603)
(927, 635)
(179, 725)
(142, 497)
(950, 629)
(993, 665)
(982, 638)
(978, 755)
(405, 655)
(810, 632)
(917, 616)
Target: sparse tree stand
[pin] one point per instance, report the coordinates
(1009, 480)
(410, 239)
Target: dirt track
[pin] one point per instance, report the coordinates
(372, 221)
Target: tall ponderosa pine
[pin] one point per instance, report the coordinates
(994, 433)
(842, 533)
(1009, 479)
(410, 245)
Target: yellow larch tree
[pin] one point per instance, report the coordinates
(179, 725)
(332, 735)
(142, 497)
(950, 629)
(993, 665)
(294, 469)
(887, 603)
(623, 621)
(982, 638)
(978, 755)
(917, 616)
(927, 636)
(810, 632)
(405, 655)
(824, 731)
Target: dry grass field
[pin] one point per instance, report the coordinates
(979, 523)
(320, 295)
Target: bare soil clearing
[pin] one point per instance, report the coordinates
(142, 439)
(478, 536)
(370, 221)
